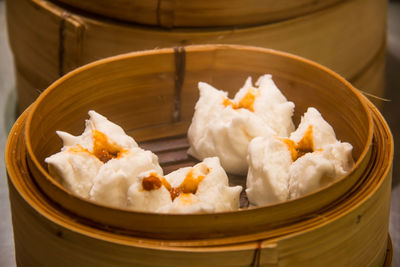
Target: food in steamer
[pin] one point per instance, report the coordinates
(287, 168)
(107, 166)
(252, 133)
(224, 128)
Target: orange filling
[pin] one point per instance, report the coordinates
(304, 146)
(151, 182)
(188, 186)
(102, 148)
(246, 102)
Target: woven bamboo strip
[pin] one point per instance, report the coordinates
(200, 13)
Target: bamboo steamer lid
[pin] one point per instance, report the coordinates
(200, 13)
(152, 95)
(49, 40)
(352, 232)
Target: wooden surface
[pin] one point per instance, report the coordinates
(141, 102)
(351, 233)
(200, 13)
(48, 41)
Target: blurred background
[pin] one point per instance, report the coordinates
(388, 101)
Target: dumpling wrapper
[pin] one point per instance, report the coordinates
(212, 192)
(275, 176)
(222, 127)
(269, 164)
(79, 169)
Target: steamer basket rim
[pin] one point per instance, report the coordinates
(191, 48)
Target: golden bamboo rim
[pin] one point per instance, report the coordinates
(19, 176)
(357, 170)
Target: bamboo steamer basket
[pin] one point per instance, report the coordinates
(198, 13)
(352, 232)
(152, 95)
(349, 228)
(49, 40)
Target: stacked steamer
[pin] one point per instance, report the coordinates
(152, 95)
(50, 38)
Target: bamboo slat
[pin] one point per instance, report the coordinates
(200, 13)
(48, 40)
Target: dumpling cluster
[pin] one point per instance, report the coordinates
(107, 166)
(254, 134)
(287, 168)
(98, 164)
(223, 127)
